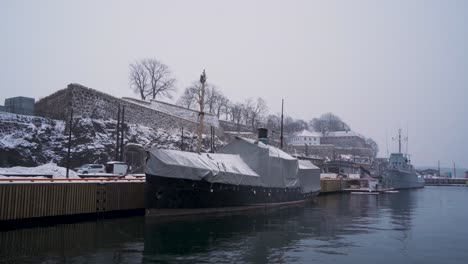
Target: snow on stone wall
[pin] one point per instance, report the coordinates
(231, 126)
(90, 103)
(176, 111)
(31, 141)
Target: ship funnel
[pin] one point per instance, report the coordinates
(263, 135)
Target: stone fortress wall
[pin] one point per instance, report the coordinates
(331, 151)
(233, 127)
(90, 103)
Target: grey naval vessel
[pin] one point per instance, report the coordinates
(399, 173)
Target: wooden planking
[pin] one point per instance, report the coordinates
(20, 201)
(330, 185)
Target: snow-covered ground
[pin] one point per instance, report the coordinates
(46, 169)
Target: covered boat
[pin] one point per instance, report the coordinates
(244, 172)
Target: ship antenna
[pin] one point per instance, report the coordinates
(386, 140)
(407, 139)
(399, 140)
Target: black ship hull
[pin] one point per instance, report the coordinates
(175, 193)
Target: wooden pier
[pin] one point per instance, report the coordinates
(332, 185)
(45, 198)
(446, 181)
(31, 200)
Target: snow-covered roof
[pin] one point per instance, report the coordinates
(222, 168)
(115, 162)
(273, 151)
(307, 133)
(238, 133)
(175, 110)
(306, 165)
(343, 134)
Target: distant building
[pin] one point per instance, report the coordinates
(2, 108)
(344, 139)
(431, 172)
(20, 105)
(466, 174)
(305, 137)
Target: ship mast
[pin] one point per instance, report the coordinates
(399, 141)
(202, 109)
(281, 135)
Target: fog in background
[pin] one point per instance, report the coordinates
(379, 65)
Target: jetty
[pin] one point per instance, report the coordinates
(32, 201)
(446, 181)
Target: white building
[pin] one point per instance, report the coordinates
(305, 137)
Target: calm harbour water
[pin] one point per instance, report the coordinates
(417, 226)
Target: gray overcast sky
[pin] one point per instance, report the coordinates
(379, 65)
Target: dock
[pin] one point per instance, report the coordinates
(35, 199)
(27, 201)
(332, 185)
(446, 182)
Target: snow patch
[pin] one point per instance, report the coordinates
(46, 169)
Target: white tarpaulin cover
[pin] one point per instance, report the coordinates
(309, 176)
(215, 168)
(275, 167)
(242, 162)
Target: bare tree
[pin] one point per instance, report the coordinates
(237, 113)
(273, 122)
(151, 78)
(294, 125)
(222, 102)
(211, 98)
(247, 107)
(189, 98)
(192, 96)
(139, 79)
(328, 122)
(228, 110)
(160, 81)
(256, 110)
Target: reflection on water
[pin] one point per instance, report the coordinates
(106, 241)
(386, 228)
